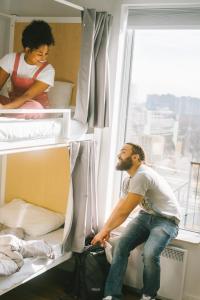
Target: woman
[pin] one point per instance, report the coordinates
(31, 75)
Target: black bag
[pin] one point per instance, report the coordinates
(91, 272)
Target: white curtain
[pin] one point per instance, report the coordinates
(85, 218)
(92, 103)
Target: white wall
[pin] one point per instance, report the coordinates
(4, 5)
(4, 36)
(39, 8)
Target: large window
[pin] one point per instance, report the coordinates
(163, 112)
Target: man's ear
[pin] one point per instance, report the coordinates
(136, 157)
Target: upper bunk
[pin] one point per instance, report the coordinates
(55, 128)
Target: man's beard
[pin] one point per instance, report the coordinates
(124, 165)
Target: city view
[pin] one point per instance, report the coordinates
(166, 123)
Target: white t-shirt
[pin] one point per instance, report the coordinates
(25, 70)
(158, 196)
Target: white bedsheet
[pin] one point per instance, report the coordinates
(13, 251)
(54, 239)
(12, 129)
(35, 266)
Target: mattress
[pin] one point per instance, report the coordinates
(35, 266)
(12, 129)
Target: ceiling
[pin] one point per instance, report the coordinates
(51, 8)
(39, 8)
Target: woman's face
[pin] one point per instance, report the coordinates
(36, 56)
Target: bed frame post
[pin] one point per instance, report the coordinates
(12, 32)
(3, 162)
(66, 124)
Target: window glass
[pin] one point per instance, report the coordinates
(163, 112)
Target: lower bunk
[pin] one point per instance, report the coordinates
(36, 214)
(32, 267)
(65, 185)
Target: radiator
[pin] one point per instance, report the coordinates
(173, 266)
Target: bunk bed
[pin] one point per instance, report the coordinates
(21, 137)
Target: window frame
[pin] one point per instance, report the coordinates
(125, 89)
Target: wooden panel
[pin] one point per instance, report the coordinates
(65, 55)
(39, 177)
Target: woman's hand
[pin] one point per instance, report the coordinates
(1, 106)
(101, 237)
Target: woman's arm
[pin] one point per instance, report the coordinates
(36, 89)
(3, 77)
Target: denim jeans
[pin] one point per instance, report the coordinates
(156, 232)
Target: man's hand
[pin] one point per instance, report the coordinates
(101, 237)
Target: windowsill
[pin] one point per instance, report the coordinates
(188, 236)
(183, 235)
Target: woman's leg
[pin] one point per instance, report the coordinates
(31, 104)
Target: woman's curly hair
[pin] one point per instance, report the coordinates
(36, 34)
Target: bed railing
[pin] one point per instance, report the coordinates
(64, 115)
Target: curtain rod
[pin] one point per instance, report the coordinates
(70, 4)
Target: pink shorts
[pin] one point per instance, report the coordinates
(31, 104)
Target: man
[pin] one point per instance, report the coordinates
(155, 225)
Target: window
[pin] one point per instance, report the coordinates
(163, 110)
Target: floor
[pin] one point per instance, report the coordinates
(48, 286)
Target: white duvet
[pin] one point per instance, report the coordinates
(19, 129)
(13, 250)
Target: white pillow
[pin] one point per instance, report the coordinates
(35, 220)
(60, 94)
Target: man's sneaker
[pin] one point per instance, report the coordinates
(144, 297)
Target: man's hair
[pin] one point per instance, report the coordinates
(36, 34)
(136, 149)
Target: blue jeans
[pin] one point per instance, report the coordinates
(156, 232)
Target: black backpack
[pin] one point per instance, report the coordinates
(90, 273)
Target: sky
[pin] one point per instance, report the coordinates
(166, 61)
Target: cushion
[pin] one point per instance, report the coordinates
(35, 220)
(60, 94)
